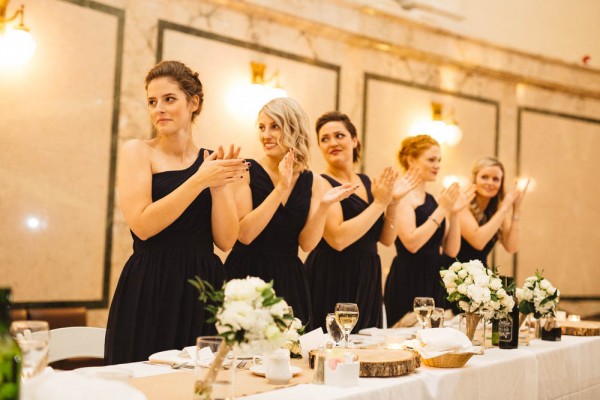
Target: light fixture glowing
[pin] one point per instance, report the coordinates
(33, 223)
(442, 131)
(247, 99)
(462, 181)
(16, 43)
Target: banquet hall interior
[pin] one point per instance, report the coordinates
(515, 79)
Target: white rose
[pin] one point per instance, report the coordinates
(451, 290)
(482, 280)
(272, 332)
(501, 293)
(443, 273)
(469, 280)
(248, 289)
(463, 305)
(476, 264)
(495, 284)
(462, 288)
(475, 293)
(456, 266)
(520, 294)
(279, 309)
(462, 273)
(545, 284)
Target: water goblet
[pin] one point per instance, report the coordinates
(33, 338)
(436, 320)
(333, 329)
(346, 315)
(423, 307)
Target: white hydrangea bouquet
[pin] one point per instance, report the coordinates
(250, 318)
(477, 289)
(538, 297)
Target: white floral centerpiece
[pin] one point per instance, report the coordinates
(538, 297)
(477, 289)
(250, 318)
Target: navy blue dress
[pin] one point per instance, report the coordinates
(352, 275)
(273, 254)
(468, 252)
(154, 307)
(416, 274)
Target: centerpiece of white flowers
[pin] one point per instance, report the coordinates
(250, 318)
(477, 289)
(538, 297)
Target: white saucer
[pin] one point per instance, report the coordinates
(114, 373)
(260, 370)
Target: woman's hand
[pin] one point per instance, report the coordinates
(338, 193)
(464, 199)
(286, 172)
(405, 184)
(519, 193)
(449, 196)
(216, 171)
(382, 187)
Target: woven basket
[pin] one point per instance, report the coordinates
(449, 360)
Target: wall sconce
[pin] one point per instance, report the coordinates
(16, 43)
(247, 99)
(445, 131)
(258, 78)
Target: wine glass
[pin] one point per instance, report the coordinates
(346, 315)
(333, 329)
(436, 320)
(423, 307)
(33, 338)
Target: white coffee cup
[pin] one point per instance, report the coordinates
(276, 366)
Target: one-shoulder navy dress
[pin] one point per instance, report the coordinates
(154, 307)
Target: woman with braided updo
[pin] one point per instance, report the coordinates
(487, 218)
(427, 229)
(177, 201)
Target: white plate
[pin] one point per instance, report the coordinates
(115, 373)
(260, 370)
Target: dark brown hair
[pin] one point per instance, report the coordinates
(333, 116)
(187, 79)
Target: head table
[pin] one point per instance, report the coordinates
(542, 370)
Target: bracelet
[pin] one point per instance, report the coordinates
(385, 217)
(516, 218)
(434, 220)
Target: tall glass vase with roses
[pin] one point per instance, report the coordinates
(250, 318)
(538, 297)
(478, 291)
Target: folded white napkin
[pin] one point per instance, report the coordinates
(76, 386)
(312, 340)
(438, 341)
(186, 356)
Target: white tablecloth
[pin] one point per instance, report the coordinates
(544, 370)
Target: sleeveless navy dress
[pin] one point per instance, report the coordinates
(154, 307)
(352, 275)
(416, 274)
(273, 254)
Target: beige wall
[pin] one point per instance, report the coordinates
(62, 115)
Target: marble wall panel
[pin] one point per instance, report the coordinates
(57, 119)
(560, 222)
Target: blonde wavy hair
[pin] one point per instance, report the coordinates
(292, 119)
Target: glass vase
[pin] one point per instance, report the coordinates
(474, 326)
(526, 326)
(550, 329)
(217, 382)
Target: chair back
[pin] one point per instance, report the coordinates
(76, 341)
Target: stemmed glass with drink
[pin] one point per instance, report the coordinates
(346, 315)
(423, 307)
(436, 320)
(33, 338)
(333, 329)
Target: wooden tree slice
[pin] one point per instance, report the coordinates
(580, 328)
(381, 362)
(386, 362)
